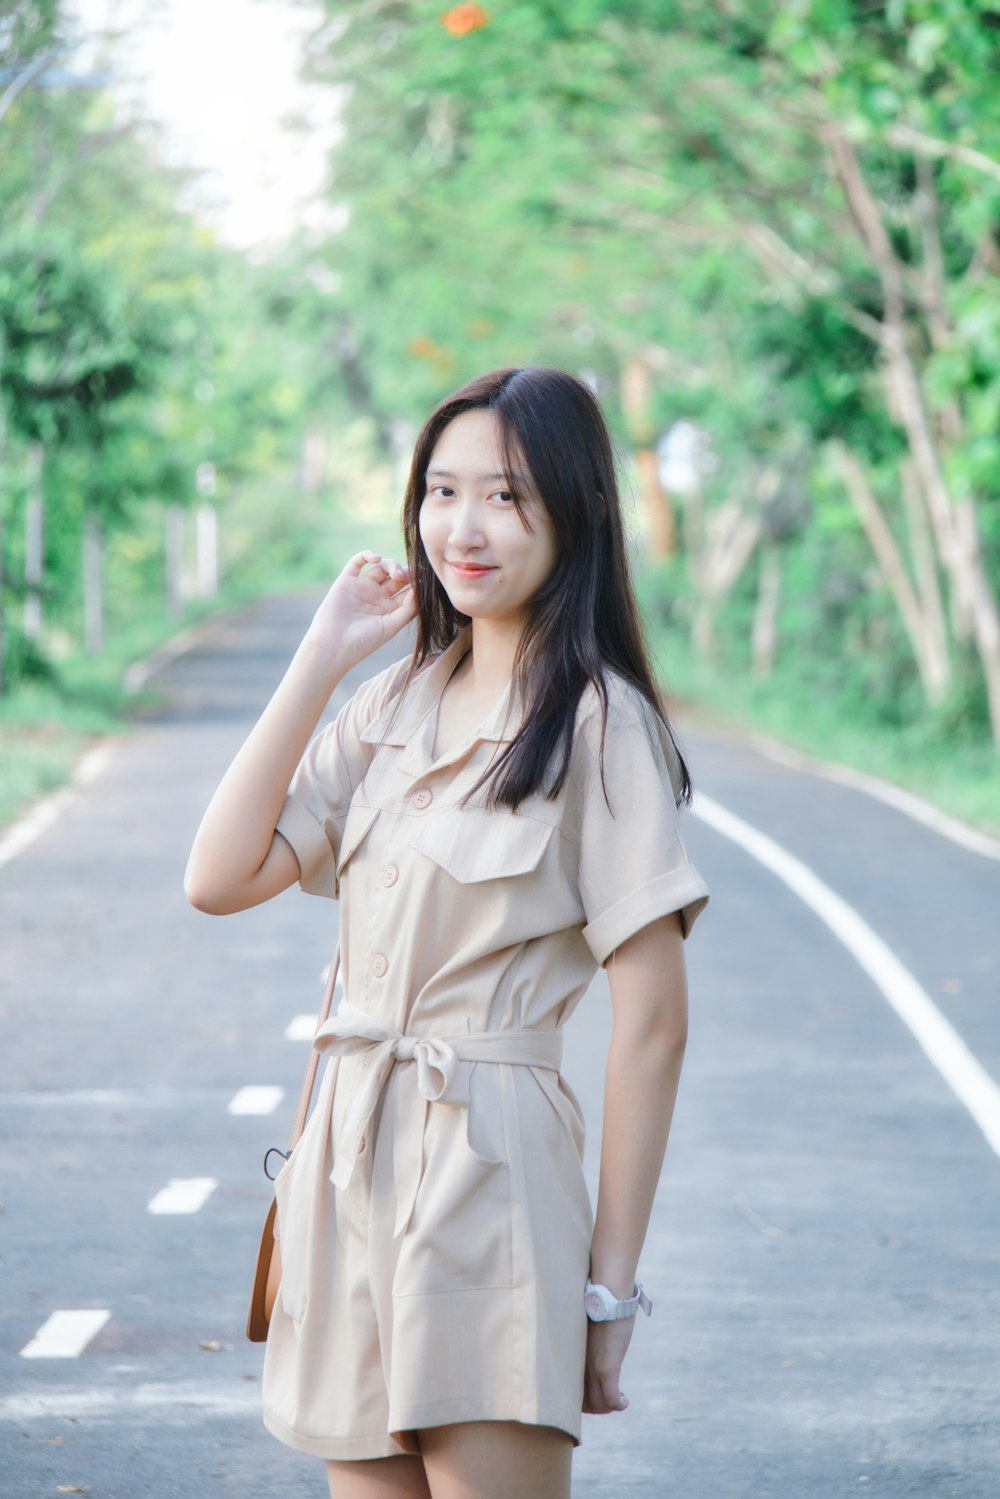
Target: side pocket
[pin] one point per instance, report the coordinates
(289, 1236)
(304, 1208)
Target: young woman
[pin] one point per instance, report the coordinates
(497, 816)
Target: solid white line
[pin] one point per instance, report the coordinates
(301, 1028)
(907, 802)
(255, 1100)
(945, 1048)
(183, 1194)
(65, 1334)
(48, 809)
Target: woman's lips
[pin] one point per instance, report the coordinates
(468, 570)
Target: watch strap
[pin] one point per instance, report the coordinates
(621, 1308)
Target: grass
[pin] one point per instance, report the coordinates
(47, 723)
(959, 776)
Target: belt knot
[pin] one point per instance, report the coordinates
(439, 1079)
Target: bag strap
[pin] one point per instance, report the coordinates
(308, 1082)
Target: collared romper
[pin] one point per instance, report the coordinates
(434, 1220)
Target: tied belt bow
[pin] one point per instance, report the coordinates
(439, 1079)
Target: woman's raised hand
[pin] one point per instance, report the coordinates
(363, 610)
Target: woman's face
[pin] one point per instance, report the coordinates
(486, 559)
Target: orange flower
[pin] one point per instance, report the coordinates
(462, 19)
(423, 347)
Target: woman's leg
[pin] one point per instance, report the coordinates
(378, 1478)
(496, 1460)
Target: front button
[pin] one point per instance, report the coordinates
(390, 875)
(380, 966)
(422, 798)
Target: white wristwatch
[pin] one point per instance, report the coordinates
(602, 1306)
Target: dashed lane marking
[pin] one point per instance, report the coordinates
(964, 1074)
(151, 1097)
(255, 1099)
(303, 1027)
(65, 1334)
(183, 1194)
(175, 1403)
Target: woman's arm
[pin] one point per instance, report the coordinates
(238, 859)
(648, 984)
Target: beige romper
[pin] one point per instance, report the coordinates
(434, 1220)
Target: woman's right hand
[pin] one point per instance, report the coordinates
(363, 610)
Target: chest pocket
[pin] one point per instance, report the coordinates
(473, 845)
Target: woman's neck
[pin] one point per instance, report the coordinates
(494, 646)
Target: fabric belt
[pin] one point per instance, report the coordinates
(439, 1079)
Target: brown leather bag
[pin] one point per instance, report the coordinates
(267, 1271)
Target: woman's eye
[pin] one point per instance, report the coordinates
(504, 494)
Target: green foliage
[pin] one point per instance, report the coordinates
(133, 348)
(591, 183)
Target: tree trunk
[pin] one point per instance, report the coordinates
(34, 546)
(3, 575)
(765, 616)
(928, 653)
(726, 537)
(656, 506)
(925, 569)
(636, 399)
(956, 528)
(93, 603)
(175, 561)
(207, 543)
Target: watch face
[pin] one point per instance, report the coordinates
(594, 1306)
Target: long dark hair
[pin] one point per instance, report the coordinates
(584, 619)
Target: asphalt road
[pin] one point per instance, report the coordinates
(824, 1256)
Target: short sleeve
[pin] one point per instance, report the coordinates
(633, 866)
(334, 764)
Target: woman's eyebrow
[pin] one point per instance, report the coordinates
(445, 473)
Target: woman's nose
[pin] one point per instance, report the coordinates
(466, 530)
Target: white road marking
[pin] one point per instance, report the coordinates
(301, 1028)
(48, 809)
(178, 1403)
(907, 802)
(963, 1073)
(183, 1194)
(255, 1100)
(65, 1334)
(153, 1097)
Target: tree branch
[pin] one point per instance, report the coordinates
(927, 145)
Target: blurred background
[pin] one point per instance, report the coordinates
(245, 246)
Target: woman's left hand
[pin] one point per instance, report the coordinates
(607, 1343)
